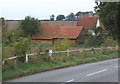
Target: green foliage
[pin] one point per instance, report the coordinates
(41, 48)
(99, 32)
(30, 26)
(63, 44)
(13, 71)
(95, 36)
(44, 44)
(60, 17)
(70, 17)
(7, 52)
(22, 46)
(109, 41)
(18, 33)
(42, 57)
(78, 14)
(4, 28)
(10, 37)
(108, 13)
(52, 17)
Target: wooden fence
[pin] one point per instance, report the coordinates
(52, 52)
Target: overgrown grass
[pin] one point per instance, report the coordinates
(38, 44)
(7, 52)
(21, 69)
(85, 45)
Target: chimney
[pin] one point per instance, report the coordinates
(91, 14)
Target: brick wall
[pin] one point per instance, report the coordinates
(60, 23)
(12, 24)
(73, 42)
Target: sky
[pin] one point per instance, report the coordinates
(42, 9)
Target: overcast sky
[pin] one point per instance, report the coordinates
(42, 9)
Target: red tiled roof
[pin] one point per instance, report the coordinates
(58, 32)
(87, 22)
(68, 32)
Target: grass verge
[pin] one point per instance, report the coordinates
(23, 69)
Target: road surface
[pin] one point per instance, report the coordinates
(104, 71)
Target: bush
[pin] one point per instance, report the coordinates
(22, 46)
(109, 42)
(63, 44)
(43, 57)
(10, 37)
(94, 37)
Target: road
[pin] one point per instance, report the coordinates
(104, 71)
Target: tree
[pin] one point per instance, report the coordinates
(95, 36)
(22, 46)
(30, 26)
(67, 17)
(60, 17)
(70, 17)
(52, 17)
(108, 13)
(78, 14)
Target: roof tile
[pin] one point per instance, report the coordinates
(87, 22)
(58, 32)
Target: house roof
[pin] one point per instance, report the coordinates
(58, 32)
(87, 22)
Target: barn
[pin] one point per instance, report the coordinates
(52, 35)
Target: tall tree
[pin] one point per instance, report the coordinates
(78, 14)
(70, 17)
(60, 17)
(52, 17)
(108, 13)
(30, 26)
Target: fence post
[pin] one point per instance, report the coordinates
(3, 62)
(50, 53)
(68, 53)
(26, 58)
(80, 50)
(92, 50)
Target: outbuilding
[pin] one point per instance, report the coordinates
(52, 35)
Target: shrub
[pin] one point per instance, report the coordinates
(63, 44)
(10, 37)
(94, 37)
(22, 46)
(109, 42)
(43, 57)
